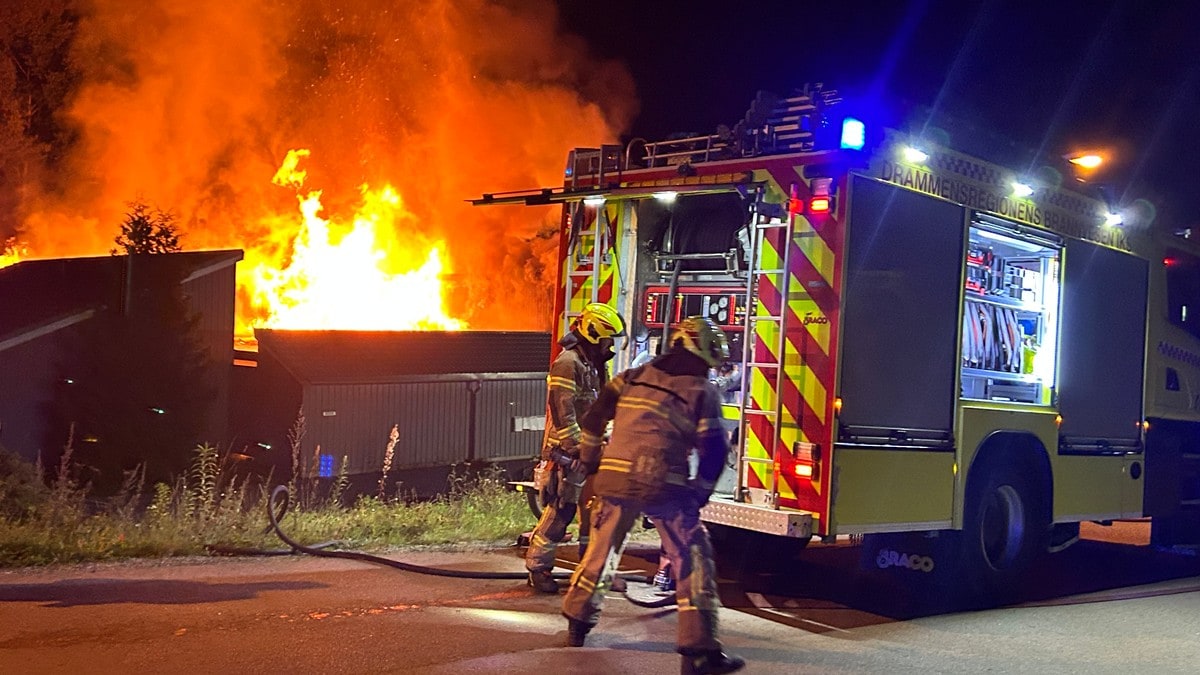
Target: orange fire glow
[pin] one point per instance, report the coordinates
(10, 253)
(409, 108)
(343, 275)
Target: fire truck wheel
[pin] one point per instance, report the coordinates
(1005, 528)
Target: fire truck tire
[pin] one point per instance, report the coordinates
(1005, 527)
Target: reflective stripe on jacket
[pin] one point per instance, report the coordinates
(657, 419)
(571, 388)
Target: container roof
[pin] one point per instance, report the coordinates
(351, 357)
(49, 291)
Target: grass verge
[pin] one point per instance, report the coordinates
(61, 525)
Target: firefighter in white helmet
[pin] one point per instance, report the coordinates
(576, 376)
(660, 412)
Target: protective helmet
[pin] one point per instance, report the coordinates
(599, 321)
(700, 336)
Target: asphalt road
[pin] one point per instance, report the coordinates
(1098, 607)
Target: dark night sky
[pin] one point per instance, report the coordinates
(1051, 76)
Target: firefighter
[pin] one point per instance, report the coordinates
(575, 377)
(660, 412)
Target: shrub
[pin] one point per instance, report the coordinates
(22, 491)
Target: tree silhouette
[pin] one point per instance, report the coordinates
(147, 230)
(37, 78)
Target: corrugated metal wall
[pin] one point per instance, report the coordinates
(28, 385)
(510, 415)
(433, 418)
(212, 298)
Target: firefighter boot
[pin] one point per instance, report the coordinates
(710, 663)
(577, 632)
(543, 582)
(664, 581)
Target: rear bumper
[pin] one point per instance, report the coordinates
(783, 522)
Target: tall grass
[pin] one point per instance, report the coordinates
(210, 506)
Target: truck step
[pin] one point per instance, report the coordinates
(783, 522)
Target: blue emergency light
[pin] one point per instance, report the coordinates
(854, 134)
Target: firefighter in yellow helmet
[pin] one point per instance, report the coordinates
(576, 375)
(660, 412)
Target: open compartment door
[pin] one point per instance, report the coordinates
(1102, 350)
(899, 362)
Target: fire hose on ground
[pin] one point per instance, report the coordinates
(277, 507)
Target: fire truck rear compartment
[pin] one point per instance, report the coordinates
(899, 358)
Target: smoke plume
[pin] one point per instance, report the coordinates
(192, 106)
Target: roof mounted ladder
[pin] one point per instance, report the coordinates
(594, 166)
(772, 125)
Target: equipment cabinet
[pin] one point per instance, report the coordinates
(1010, 313)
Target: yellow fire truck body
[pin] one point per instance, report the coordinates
(917, 348)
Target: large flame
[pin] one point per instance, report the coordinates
(10, 253)
(356, 276)
(189, 106)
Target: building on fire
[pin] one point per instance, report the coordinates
(452, 397)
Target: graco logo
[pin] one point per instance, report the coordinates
(889, 558)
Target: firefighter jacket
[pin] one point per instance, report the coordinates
(571, 388)
(659, 413)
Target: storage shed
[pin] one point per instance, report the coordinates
(450, 396)
(44, 302)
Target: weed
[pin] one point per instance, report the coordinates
(162, 507)
(340, 484)
(295, 436)
(388, 452)
(209, 506)
(22, 492)
(128, 497)
(203, 497)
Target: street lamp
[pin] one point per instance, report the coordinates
(1087, 161)
(1087, 164)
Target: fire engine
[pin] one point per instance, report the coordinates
(924, 342)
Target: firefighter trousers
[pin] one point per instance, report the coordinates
(686, 544)
(559, 499)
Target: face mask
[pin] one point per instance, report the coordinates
(605, 349)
